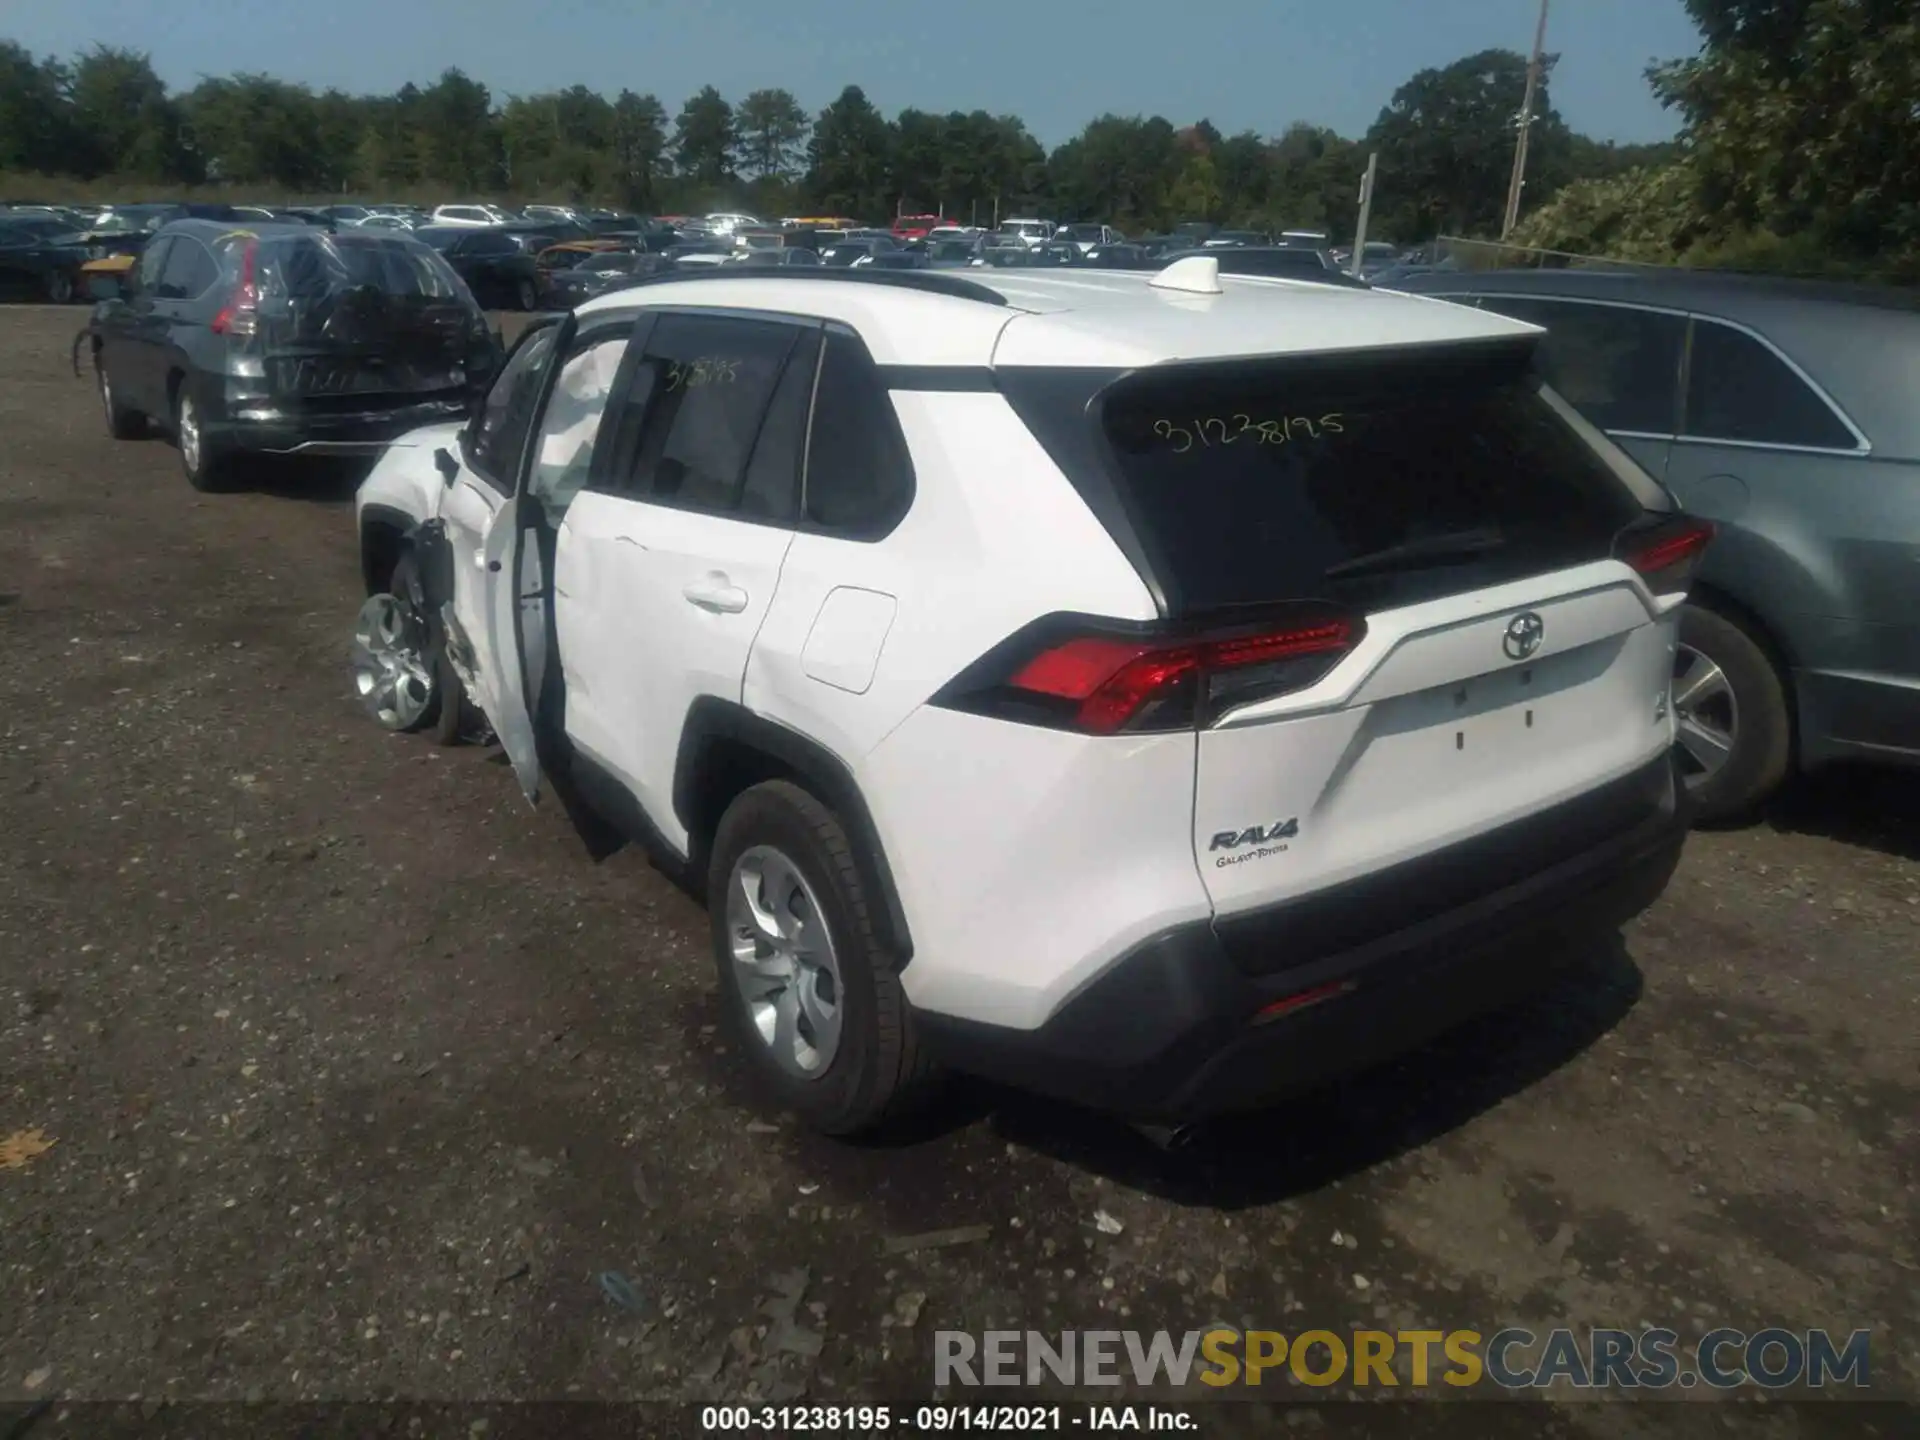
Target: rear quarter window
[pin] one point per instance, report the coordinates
(859, 479)
(1257, 483)
(1739, 389)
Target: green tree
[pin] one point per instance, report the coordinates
(389, 153)
(255, 130)
(1244, 166)
(458, 143)
(36, 123)
(919, 160)
(1314, 182)
(772, 130)
(1446, 147)
(704, 138)
(1801, 119)
(848, 158)
(1120, 168)
(639, 148)
(125, 123)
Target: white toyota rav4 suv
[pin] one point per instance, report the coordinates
(1164, 691)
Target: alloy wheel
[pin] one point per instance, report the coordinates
(1706, 715)
(390, 670)
(788, 972)
(189, 434)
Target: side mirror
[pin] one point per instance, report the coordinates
(104, 287)
(448, 467)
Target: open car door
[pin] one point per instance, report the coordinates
(516, 556)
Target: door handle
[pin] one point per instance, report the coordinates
(717, 594)
(480, 561)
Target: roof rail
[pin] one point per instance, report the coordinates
(932, 282)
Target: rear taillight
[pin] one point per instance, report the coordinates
(1667, 553)
(1105, 679)
(240, 315)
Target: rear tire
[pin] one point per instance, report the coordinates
(207, 466)
(1735, 725)
(528, 295)
(779, 847)
(122, 423)
(60, 288)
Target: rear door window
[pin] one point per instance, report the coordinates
(1616, 364)
(1373, 480)
(1738, 389)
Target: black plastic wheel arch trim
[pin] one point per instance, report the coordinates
(711, 719)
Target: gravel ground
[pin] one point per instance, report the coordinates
(359, 1075)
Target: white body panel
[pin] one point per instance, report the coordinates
(1429, 734)
(405, 477)
(985, 549)
(653, 608)
(1027, 860)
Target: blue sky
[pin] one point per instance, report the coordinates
(1244, 64)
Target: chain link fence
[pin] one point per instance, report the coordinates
(1455, 252)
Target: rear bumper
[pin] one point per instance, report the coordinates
(1171, 1032)
(282, 430)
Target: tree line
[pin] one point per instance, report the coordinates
(1445, 138)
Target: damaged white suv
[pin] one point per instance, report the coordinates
(1161, 691)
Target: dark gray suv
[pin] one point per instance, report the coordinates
(1788, 413)
(283, 338)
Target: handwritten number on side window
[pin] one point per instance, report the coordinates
(706, 370)
(1211, 430)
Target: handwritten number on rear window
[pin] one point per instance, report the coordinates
(706, 370)
(1210, 431)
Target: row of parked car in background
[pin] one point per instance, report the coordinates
(548, 256)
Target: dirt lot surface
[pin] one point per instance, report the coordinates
(359, 1077)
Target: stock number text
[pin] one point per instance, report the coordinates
(1215, 430)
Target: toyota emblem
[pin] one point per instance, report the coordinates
(1524, 634)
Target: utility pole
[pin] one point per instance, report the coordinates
(1366, 213)
(1526, 123)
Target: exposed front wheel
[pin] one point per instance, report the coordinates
(400, 668)
(1730, 710)
(807, 986)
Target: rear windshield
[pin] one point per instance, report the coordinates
(1300, 479)
(321, 264)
